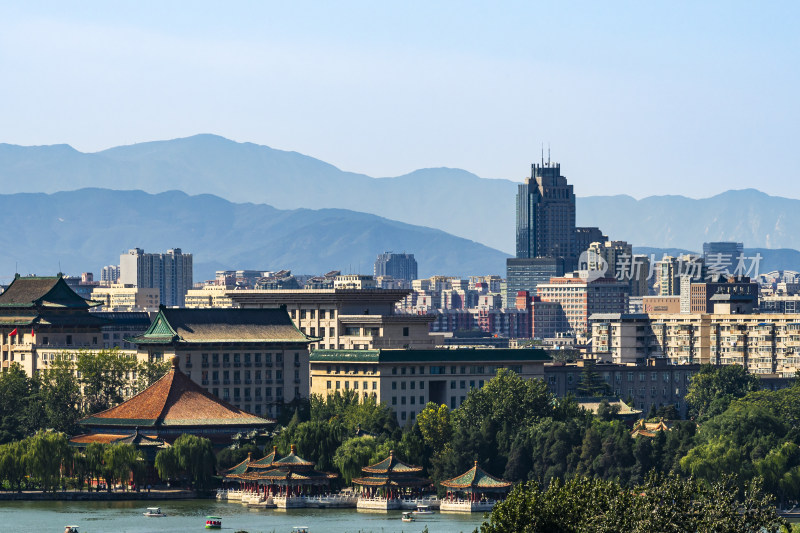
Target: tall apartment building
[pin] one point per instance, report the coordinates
(109, 275)
(764, 344)
(581, 297)
(398, 266)
(170, 273)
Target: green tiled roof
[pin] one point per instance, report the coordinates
(391, 465)
(196, 326)
(430, 356)
(241, 468)
(476, 478)
(39, 291)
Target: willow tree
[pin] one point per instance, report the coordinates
(47, 452)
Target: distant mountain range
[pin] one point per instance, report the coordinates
(86, 229)
(452, 200)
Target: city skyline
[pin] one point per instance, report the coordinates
(354, 86)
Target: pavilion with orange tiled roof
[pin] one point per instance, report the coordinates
(170, 407)
(474, 490)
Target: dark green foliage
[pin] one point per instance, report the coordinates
(233, 456)
(714, 387)
(662, 503)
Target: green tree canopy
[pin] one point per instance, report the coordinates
(104, 375)
(713, 388)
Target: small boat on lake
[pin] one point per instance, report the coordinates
(422, 510)
(300, 529)
(213, 522)
(407, 517)
(71, 529)
(154, 512)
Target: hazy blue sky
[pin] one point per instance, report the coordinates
(637, 98)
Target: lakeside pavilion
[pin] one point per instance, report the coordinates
(168, 408)
(474, 490)
(386, 482)
(286, 481)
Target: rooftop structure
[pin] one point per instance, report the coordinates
(237, 351)
(286, 481)
(41, 318)
(384, 483)
(172, 406)
(473, 491)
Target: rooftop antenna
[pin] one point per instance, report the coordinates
(542, 154)
(548, 154)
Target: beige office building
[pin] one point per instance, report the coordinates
(126, 297)
(407, 380)
(208, 297)
(346, 319)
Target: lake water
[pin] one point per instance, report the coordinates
(189, 515)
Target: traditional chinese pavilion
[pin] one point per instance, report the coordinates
(384, 484)
(170, 407)
(474, 490)
(285, 481)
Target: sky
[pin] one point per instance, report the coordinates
(639, 98)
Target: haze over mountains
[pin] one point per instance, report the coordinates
(86, 229)
(452, 200)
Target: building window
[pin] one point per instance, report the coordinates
(329, 385)
(452, 384)
(421, 385)
(405, 332)
(394, 400)
(394, 385)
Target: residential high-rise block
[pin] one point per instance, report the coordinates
(170, 273)
(398, 266)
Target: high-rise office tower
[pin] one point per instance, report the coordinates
(722, 257)
(546, 233)
(546, 215)
(398, 266)
(171, 273)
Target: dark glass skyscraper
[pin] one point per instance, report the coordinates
(546, 215)
(546, 235)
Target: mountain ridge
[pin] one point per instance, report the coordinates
(83, 230)
(451, 199)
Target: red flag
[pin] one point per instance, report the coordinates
(13, 332)
(33, 334)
